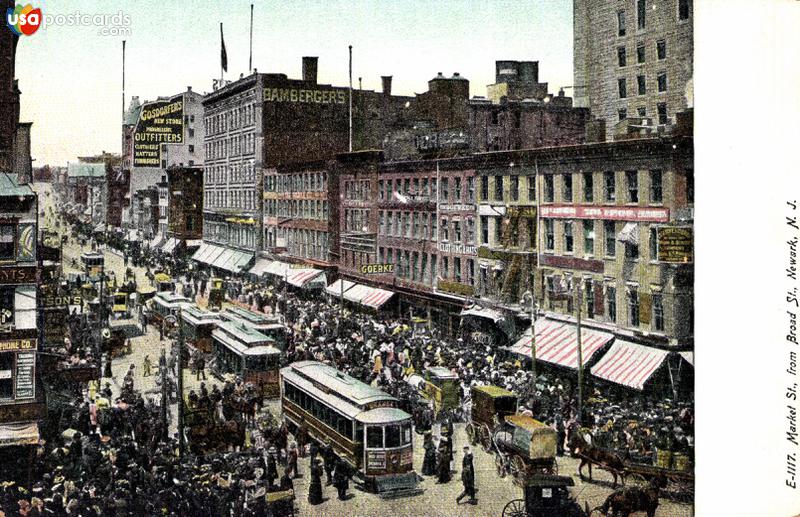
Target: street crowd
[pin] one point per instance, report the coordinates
(113, 456)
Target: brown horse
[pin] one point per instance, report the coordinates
(591, 455)
(625, 501)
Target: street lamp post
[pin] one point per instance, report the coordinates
(529, 294)
(579, 302)
(181, 438)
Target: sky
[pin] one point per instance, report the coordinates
(71, 76)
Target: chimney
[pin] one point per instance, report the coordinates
(310, 69)
(188, 88)
(387, 84)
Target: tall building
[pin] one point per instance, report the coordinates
(9, 93)
(185, 204)
(633, 59)
(87, 190)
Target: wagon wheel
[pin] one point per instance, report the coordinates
(515, 508)
(486, 438)
(637, 479)
(518, 468)
(552, 469)
(682, 488)
(471, 434)
(500, 464)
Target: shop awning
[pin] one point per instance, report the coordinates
(232, 260)
(277, 268)
(157, 241)
(208, 253)
(629, 364)
(304, 277)
(20, 433)
(224, 259)
(170, 245)
(193, 243)
(557, 343)
(480, 312)
(131, 236)
(336, 288)
(260, 267)
(356, 293)
(688, 357)
(629, 234)
(100, 228)
(377, 298)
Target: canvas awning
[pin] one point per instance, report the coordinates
(480, 312)
(232, 260)
(629, 364)
(157, 241)
(193, 243)
(208, 253)
(557, 343)
(688, 357)
(277, 268)
(260, 267)
(170, 245)
(377, 298)
(304, 277)
(336, 288)
(629, 234)
(19, 433)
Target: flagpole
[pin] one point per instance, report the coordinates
(350, 101)
(123, 86)
(222, 42)
(250, 62)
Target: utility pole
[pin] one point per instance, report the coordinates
(181, 437)
(533, 331)
(579, 300)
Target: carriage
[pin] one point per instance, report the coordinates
(522, 446)
(679, 482)
(439, 385)
(545, 496)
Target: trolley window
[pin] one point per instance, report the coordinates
(375, 437)
(406, 434)
(392, 436)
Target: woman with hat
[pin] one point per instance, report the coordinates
(315, 488)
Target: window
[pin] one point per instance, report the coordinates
(569, 242)
(445, 189)
(484, 229)
(621, 23)
(588, 237)
(640, 53)
(611, 301)
(633, 307)
(392, 436)
(683, 9)
(653, 244)
(621, 57)
(690, 185)
(531, 233)
(622, 114)
(498, 188)
(457, 269)
(609, 233)
(641, 11)
(471, 189)
(662, 113)
(549, 235)
(424, 218)
(416, 225)
(641, 111)
(514, 188)
(444, 230)
(610, 186)
(567, 191)
(549, 191)
(498, 230)
(662, 81)
(456, 231)
(631, 251)
(484, 188)
(656, 194)
(381, 192)
(434, 228)
(470, 272)
(588, 187)
(7, 241)
(531, 188)
(7, 309)
(445, 267)
(641, 84)
(495, 117)
(433, 268)
(470, 230)
(661, 49)
(374, 437)
(658, 312)
(406, 224)
(7, 376)
(623, 88)
(632, 181)
(457, 190)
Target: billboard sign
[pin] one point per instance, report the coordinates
(160, 122)
(675, 244)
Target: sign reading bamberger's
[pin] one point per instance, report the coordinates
(317, 96)
(160, 122)
(675, 244)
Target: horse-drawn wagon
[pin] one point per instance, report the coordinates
(678, 482)
(489, 405)
(545, 496)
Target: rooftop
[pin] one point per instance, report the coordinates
(86, 170)
(9, 186)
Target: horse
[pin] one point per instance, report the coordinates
(590, 455)
(625, 501)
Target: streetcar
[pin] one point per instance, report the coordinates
(364, 425)
(165, 304)
(93, 263)
(246, 353)
(198, 326)
(270, 326)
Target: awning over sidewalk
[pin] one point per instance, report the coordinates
(156, 242)
(170, 245)
(480, 312)
(629, 364)
(306, 277)
(233, 260)
(629, 234)
(208, 253)
(277, 268)
(557, 343)
(377, 298)
(336, 288)
(20, 433)
(260, 267)
(688, 357)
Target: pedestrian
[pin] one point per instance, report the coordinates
(429, 463)
(315, 488)
(161, 332)
(467, 477)
(443, 463)
(329, 461)
(286, 481)
(292, 460)
(341, 476)
(200, 365)
(146, 365)
(272, 466)
(162, 362)
(107, 369)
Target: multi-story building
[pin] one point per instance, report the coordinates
(88, 191)
(185, 185)
(633, 59)
(9, 94)
(21, 397)
(187, 154)
(115, 185)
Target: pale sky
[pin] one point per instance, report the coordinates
(71, 77)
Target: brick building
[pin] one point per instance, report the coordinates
(633, 59)
(185, 202)
(9, 94)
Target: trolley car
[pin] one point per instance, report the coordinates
(244, 352)
(270, 326)
(363, 424)
(165, 304)
(93, 263)
(198, 326)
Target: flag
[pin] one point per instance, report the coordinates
(223, 55)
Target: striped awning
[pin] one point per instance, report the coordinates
(170, 245)
(377, 298)
(356, 293)
(336, 288)
(629, 364)
(302, 277)
(688, 357)
(557, 343)
(365, 295)
(277, 268)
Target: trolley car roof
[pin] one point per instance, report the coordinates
(383, 415)
(349, 391)
(197, 316)
(441, 372)
(167, 298)
(230, 331)
(262, 350)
